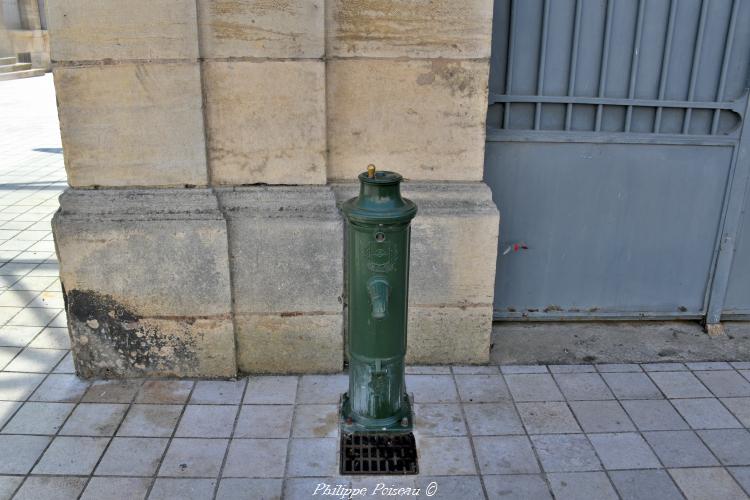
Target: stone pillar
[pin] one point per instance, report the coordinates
(29, 10)
(207, 145)
(6, 47)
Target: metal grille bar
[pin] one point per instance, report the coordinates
(573, 64)
(666, 58)
(509, 64)
(634, 63)
(735, 106)
(542, 60)
(728, 43)
(605, 62)
(697, 51)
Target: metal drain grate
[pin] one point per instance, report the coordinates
(382, 454)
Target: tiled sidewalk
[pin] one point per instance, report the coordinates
(579, 432)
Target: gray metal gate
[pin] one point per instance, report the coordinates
(617, 155)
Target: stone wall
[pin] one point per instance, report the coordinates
(207, 145)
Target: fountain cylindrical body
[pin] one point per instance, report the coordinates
(377, 265)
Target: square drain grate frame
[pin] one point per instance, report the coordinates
(378, 454)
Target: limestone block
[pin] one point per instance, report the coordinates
(454, 335)
(307, 343)
(425, 119)
(259, 28)
(132, 124)
(266, 122)
(146, 279)
(409, 28)
(88, 30)
(286, 246)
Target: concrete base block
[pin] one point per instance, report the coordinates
(146, 280)
(449, 335)
(715, 329)
(283, 343)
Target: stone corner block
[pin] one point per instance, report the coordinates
(89, 30)
(257, 28)
(286, 247)
(146, 280)
(408, 28)
(266, 122)
(424, 118)
(132, 124)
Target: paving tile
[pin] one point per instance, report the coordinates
(581, 485)
(244, 488)
(643, 484)
(150, 420)
(305, 487)
(517, 369)
(17, 336)
(742, 476)
(218, 392)
(711, 365)
(740, 407)
(632, 386)
(481, 388)
(741, 365)
(112, 391)
(71, 455)
(547, 418)
(707, 484)
(315, 421)
(256, 458)
(439, 420)
(705, 414)
(7, 354)
(566, 453)
(269, 421)
(59, 488)
(571, 368)
(210, 421)
(731, 446)
(94, 419)
(515, 487)
(165, 392)
(434, 459)
(182, 489)
(625, 450)
(132, 457)
(618, 367)
(36, 360)
(324, 389)
(116, 488)
(601, 416)
(458, 487)
(504, 455)
(745, 373)
(533, 387)
(310, 457)
(431, 388)
(66, 365)
(583, 386)
(62, 388)
(39, 418)
(38, 316)
(723, 383)
(428, 370)
(654, 415)
(680, 449)
(492, 419)
(271, 390)
(475, 369)
(8, 485)
(193, 457)
(19, 453)
(7, 313)
(52, 338)
(7, 409)
(18, 386)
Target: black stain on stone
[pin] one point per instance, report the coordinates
(109, 339)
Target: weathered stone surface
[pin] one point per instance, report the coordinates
(286, 246)
(87, 30)
(132, 125)
(266, 122)
(262, 28)
(146, 279)
(409, 28)
(425, 119)
(449, 335)
(279, 343)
